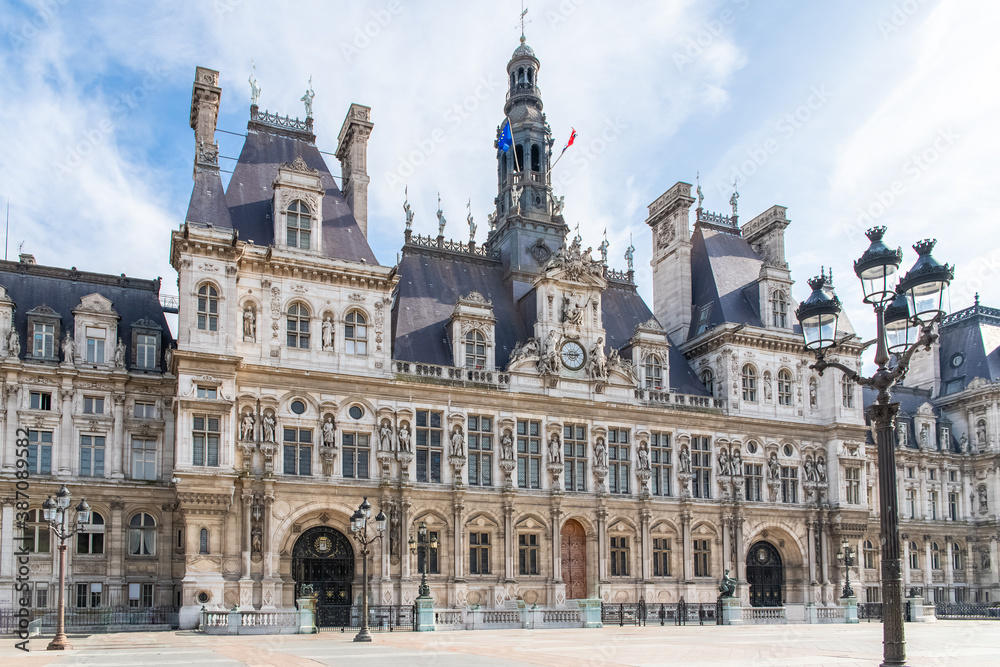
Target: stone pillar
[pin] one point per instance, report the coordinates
(859, 559)
(741, 551)
(118, 435)
(727, 523)
(556, 520)
(508, 542)
(404, 554)
(994, 562)
(811, 549)
(686, 548)
(824, 553)
(271, 587)
(928, 570)
(11, 391)
(457, 511)
(164, 593)
(949, 573)
(247, 498)
(602, 546)
(62, 454)
(114, 543)
(922, 503)
(646, 548)
(7, 554)
(905, 542)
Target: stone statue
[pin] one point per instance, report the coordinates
(767, 386)
(385, 436)
(925, 434)
(67, 347)
(515, 194)
(327, 333)
(643, 455)
(247, 426)
(821, 470)
(307, 99)
(985, 563)
(603, 248)
(249, 323)
(404, 437)
(684, 459)
(256, 540)
(506, 447)
(472, 224)
(773, 469)
(812, 394)
(549, 359)
(395, 530)
(528, 348)
(555, 449)
(406, 208)
(984, 506)
(810, 469)
(254, 88)
(723, 462)
(491, 220)
(727, 588)
(269, 426)
(440, 214)
(736, 463)
(600, 454)
(558, 203)
(597, 361)
(630, 256)
(13, 343)
(963, 444)
(900, 434)
(981, 434)
(573, 312)
(168, 354)
(120, 354)
(457, 442)
(329, 432)
(733, 200)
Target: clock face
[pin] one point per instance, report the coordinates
(573, 355)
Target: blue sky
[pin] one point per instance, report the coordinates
(849, 113)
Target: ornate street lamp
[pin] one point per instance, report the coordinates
(425, 546)
(359, 527)
(923, 289)
(54, 513)
(846, 556)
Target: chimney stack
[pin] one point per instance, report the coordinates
(352, 151)
(205, 98)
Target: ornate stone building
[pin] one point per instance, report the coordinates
(559, 438)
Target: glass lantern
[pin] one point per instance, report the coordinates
(818, 315)
(924, 284)
(877, 268)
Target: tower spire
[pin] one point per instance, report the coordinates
(524, 11)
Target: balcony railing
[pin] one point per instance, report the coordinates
(451, 374)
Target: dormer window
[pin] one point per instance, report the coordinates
(779, 310)
(298, 225)
(475, 350)
(43, 332)
(96, 338)
(654, 372)
(44, 340)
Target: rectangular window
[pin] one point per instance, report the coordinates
(92, 455)
(432, 536)
(41, 596)
(847, 392)
(619, 460)
(40, 452)
(356, 455)
(205, 436)
(95, 345)
(951, 476)
(144, 410)
(298, 451)
(529, 454)
(953, 506)
(753, 481)
(480, 450)
(44, 341)
(145, 350)
(88, 595)
(661, 557)
(34, 534)
(931, 474)
(704, 318)
(527, 554)
(661, 464)
(93, 405)
(932, 505)
(944, 438)
(575, 457)
(430, 438)
(479, 553)
(91, 540)
(909, 472)
(702, 560)
(207, 392)
(701, 466)
(789, 484)
(143, 458)
(852, 476)
(619, 556)
(140, 595)
(40, 400)
(911, 503)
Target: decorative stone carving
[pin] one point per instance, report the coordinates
(385, 436)
(575, 261)
(457, 442)
(268, 427)
(249, 324)
(555, 449)
(68, 351)
(247, 424)
(327, 332)
(404, 437)
(13, 343)
(120, 354)
(328, 432)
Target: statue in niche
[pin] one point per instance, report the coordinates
(548, 361)
(773, 469)
(810, 469)
(983, 500)
(13, 343)
(555, 449)
(573, 312)
(813, 394)
(404, 437)
(249, 323)
(963, 444)
(457, 442)
(256, 539)
(985, 562)
(981, 434)
(925, 434)
(395, 525)
(67, 348)
(329, 432)
(901, 434)
(684, 458)
(385, 436)
(120, 354)
(736, 463)
(821, 469)
(643, 455)
(723, 462)
(327, 333)
(269, 424)
(247, 426)
(767, 386)
(600, 454)
(506, 447)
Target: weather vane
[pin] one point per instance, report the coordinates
(524, 11)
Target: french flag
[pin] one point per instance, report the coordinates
(572, 138)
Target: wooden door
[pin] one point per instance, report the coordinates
(574, 560)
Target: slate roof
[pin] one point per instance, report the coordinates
(910, 399)
(973, 333)
(724, 273)
(248, 199)
(32, 285)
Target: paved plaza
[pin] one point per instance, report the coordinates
(964, 643)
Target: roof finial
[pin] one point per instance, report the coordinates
(976, 305)
(440, 214)
(603, 248)
(254, 88)
(630, 254)
(524, 11)
(406, 208)
(472, 225)
(697, 180)
(307, 99)
(577, 238)
(734, 198)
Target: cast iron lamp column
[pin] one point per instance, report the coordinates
(846, 556)
(54, 512)
(424, 591)
(359, 527)
(915, 303)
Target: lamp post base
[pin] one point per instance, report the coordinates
(59, 643)
(363, 636)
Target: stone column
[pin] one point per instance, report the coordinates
(949, 574)
(247, 498)
(905, 541)
(457, 508)
(114, 544)
(407, 531)
(62, 454)
(602, 546)
(994, 561)
(811, 549)
(922, 503)
(727, 522)
(686, 547)
(7, 554)
(271, 586)
(508, 543)
(118, 435)
(928, 570)
(556, 518)
(741, 551)
(824, 552)
(859, 559)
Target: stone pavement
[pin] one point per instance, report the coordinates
(966, 643)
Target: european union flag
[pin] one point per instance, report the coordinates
(505, 141)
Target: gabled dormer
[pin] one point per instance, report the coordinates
(297, 207)
(650, 355)
(472, 333)
(766, 235)
(43, 334)
(95, 330)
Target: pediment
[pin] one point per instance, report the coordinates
(95, 303)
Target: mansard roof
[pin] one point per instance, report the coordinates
(31, 286)
(247, 204)
(973, 333)
(724, 275)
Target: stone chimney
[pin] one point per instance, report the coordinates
(668, 219)
(205, 98)
(352, 151)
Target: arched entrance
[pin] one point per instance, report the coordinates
(765, 575)
(323, 557)
(574, 559)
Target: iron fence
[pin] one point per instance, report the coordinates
(675, 613)
(76, 618)
(870, 611)
(381, 618)
(967, 611)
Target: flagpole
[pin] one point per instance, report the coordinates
(513, 148)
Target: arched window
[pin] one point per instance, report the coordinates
(203, 541)
(142, 535)
(356, 333)
(708, 379)
(519, 157)
(531, 76)
(503, 166)
(871, 561)
(91, 541)
(208, 308)
(475, 350)
(298, 326)
(779, 309)
(520, 75)
(654, 372)
(298, 225)
(957, 562)
(935, 556)
(512, 81)
(749, 383)
(536, 158)
(914, 556)
(784, 387)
